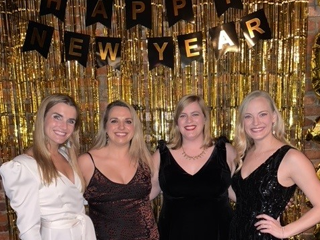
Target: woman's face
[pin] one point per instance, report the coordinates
(59, 123)
(120, 127)
(258, 118)
(191, 121)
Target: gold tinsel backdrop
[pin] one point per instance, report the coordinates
(276, 65)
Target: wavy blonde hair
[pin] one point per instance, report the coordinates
(138, 149)
(175, 135)
(41, 143)
(242, 141)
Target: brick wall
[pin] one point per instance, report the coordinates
(312, 110)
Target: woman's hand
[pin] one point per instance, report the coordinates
(267, 224)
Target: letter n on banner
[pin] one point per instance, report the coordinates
(190, 46)
(138, 12)
(38, 38)
(160, 51)
(108, 52)
(56, 7)
(255, 26)
(224, 39)
(77, 47)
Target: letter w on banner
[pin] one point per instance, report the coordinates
(108, 52)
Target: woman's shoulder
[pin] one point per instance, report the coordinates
(20, 168)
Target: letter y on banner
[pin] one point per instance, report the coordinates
(255, 27)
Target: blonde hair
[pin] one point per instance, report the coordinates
(242, 141)
(40, 149)
(138, 149)
(175, 135)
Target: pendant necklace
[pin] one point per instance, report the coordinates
(192, 157)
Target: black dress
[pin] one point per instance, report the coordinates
(259, 193)
(195, 207)
(121, 211)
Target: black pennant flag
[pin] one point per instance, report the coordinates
(179, 10)
(138, 12)
(190, 46)
(77, 47)
(223, 5)
(255, 27)
(108, 52)
(55, 7)
(160, 51)
(99, 11)
(224, 39)
(38, 38)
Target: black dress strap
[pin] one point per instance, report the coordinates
(92, 159)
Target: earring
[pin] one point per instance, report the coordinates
(273, 131)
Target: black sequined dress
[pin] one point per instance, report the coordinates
(259, 193)
(195, 207)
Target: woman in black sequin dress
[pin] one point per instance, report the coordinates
(268, 175)
(117, 171)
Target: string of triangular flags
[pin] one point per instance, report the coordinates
(222, 38)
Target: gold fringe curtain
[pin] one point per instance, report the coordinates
(276, 65)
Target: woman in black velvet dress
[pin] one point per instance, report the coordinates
(194, 176)
(267, 177)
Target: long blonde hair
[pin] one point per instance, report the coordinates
(40, 149)
(175, 135)
(138, 150)
(242, 141)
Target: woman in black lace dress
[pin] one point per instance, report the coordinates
(268, 175)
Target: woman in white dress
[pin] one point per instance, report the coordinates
(44, 184)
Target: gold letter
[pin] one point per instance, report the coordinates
(103, 51)
(40, 40)
(176, 6)
(73, 45)
(160, 50)
(224, 39)
(253, 24)
(99, 9)
(136, 10)
(188, 47)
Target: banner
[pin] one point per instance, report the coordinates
(99, 11)
(160, 51)
(55, 7)
(38, 38)
(224, 38)
(108, 52)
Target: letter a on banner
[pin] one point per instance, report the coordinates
(55, 7)
(224, 39)
(38, 38)
(99, 11)
(255, 27)
(138, 12)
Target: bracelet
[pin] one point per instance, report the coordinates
(282, 230)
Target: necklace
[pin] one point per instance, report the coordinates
(192, 157)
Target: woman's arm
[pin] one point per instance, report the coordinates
(155, 178)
